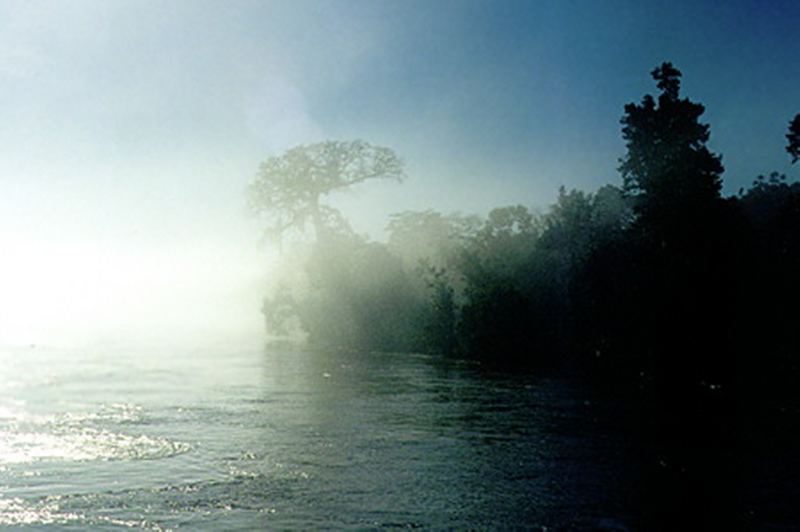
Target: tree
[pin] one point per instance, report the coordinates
(668, 169)
(429, 236)
(683, 307)
(359, 296)
(794, 139)
(288, 189)
(501, 247)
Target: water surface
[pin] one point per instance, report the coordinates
(236, 438)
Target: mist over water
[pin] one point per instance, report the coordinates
(446, 265)
(85, 293)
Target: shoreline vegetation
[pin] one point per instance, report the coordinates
(659, 289)
(661, 277)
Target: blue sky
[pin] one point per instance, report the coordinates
(130, 128)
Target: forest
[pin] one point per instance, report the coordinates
(657, 282)
(657, 290)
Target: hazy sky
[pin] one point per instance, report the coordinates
(130, 129)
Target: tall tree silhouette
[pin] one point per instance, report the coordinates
(667, 167)
(683, 296)
(681, 221)
(288, 189)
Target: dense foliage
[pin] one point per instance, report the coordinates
(661, 283)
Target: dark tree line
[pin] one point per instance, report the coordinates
(627, 274)
(661, 286)
(661, 282)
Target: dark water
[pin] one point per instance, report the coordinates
(246, 439)
(236, 439)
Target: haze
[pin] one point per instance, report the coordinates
(130, 130)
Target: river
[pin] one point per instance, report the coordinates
(240, 439)
(250, 439)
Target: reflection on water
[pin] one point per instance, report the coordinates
(79, 437)
(245, 439)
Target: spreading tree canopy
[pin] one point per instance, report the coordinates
(288, 188)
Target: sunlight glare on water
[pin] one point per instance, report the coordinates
(241, 438)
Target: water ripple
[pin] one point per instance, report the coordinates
(81, 436)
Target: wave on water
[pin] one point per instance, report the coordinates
(18, 512)
(81, 437)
